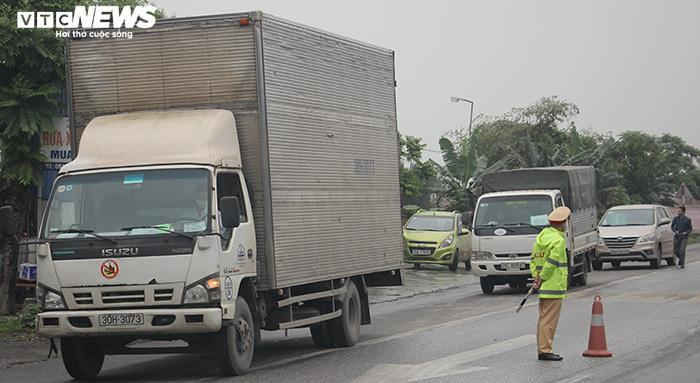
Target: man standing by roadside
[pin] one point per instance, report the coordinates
(550, 271)
(682, 226)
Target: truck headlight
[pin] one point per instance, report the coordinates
(196, 294)
(49, 300)
(481, 255)
(204, 292)
(448, 241)
(650, 237)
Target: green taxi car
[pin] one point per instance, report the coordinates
(437, 237)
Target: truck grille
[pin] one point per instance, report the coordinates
(620, 242)
(513, 255)
(122, 296)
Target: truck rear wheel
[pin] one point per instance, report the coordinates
(238, 341)
(345, 330)
(83, 358)
(486, 285)
(321, 335)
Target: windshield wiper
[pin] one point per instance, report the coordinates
(157, 228)
(495, 227)
(523, 224)
(83, 231)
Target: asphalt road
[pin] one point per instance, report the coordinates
(652, 320)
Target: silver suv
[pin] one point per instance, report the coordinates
(635, 233)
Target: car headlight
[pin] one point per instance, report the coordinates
(481, 255)
(448, 241)
(650, 237)
(205, 292)
(49, 300)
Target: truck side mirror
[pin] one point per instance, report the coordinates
(8, 221)
(230, 211)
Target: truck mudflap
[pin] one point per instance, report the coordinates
(129, 322)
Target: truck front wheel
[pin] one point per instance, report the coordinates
(486, 285)
(238, 341)
(345, 329)
(82, 358)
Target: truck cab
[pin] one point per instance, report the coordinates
(513, 209)
(504, 230)
(153, 242)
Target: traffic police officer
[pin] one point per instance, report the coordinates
(550, 272)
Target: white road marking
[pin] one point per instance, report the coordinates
(453, 323)
(576, 379)
(446, 366)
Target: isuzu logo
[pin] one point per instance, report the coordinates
(120, 252)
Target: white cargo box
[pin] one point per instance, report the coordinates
(316, 120)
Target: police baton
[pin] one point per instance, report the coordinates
(522, 303)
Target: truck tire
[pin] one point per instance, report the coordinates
(486, 285)
(597, 265)
(238, 341)
(455, 262)
(582, 279)
(321, 335)
(345, 330)
(82, 357)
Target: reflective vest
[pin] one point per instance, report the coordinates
(549, 263)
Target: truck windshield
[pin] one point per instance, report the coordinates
(524, 214)
(628, 217)
(113, 204)
(430, 223)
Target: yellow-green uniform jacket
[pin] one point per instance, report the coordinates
(549, 262)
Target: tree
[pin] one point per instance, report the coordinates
(415, 175)
(32, 76)
(634, 167)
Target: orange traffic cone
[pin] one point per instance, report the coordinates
(597, 346)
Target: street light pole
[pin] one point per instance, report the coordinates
(471, 110)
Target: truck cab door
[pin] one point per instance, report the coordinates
(237, 257)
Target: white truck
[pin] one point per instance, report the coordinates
(514, 209)
(233, 173)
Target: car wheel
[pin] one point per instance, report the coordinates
(486, 285)
(597, 265)
(455, 261)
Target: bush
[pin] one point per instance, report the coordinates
(27, 317)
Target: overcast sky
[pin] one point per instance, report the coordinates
(629, 65)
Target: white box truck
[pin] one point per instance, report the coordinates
(514, 209)
(233, 173)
